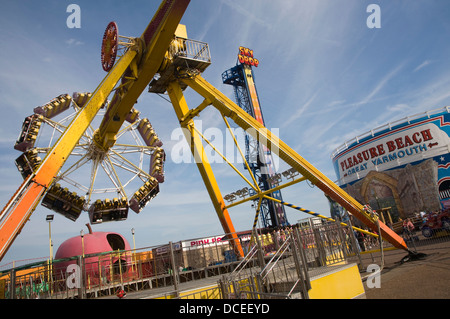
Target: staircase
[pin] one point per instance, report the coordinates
(281, 276)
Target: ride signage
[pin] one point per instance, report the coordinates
(245, 56)
(389, 150)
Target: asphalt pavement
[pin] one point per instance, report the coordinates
(427, 277)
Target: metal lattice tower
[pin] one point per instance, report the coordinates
(259, 157)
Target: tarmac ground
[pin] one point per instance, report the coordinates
(422, 278)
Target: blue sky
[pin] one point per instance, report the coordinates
(324, 77)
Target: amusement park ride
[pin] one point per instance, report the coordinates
(166, 61)
(258, 157)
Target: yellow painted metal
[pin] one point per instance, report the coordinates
(136, 68)
(256, 186)
(131, 164)
(54, 160)
(193, 138)
(155, 41)
(28, 196)
(226, 160)
(320, 216)
(343, 283)
(248, 74)
(195, 112)
(266, 192)
(17, 212)
(277, 146)
(119, 184)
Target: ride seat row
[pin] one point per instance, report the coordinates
(81, 99)
(32, 124)
(108, 210)
(55, 106)
(148, 133)
(144, 194)
(157, 160)
(64, 202)
(133, 116)
(28, 162)
(30, 130)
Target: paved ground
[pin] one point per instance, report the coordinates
(427, 278)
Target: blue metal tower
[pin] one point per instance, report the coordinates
(258, 156)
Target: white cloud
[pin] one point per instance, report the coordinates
(422, 65)
(381, 84)
(248, 15)
(301, 110)
(74, 42)
(400, 108)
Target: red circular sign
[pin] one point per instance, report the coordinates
(109, 46)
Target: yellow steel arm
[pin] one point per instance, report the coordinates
(258, 131)
(195, 142)
(136, 68)
(155, 41)
(24, 201)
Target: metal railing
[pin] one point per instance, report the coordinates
(388, 126)
(300, 253)
(190, 49)
(280, 263)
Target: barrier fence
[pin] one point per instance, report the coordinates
(274, 258)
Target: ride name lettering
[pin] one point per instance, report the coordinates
(387, 151)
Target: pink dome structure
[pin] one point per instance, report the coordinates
(101, 266)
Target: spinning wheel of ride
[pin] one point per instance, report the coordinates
(129, 172)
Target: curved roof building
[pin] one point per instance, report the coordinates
(403, 165)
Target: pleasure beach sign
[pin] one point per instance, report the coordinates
(392, 147)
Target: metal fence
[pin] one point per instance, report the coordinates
(424, 231)
(97, 275)
(314, 248)
(278, 263)
(300, 252)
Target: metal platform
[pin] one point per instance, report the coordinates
(183, 54)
